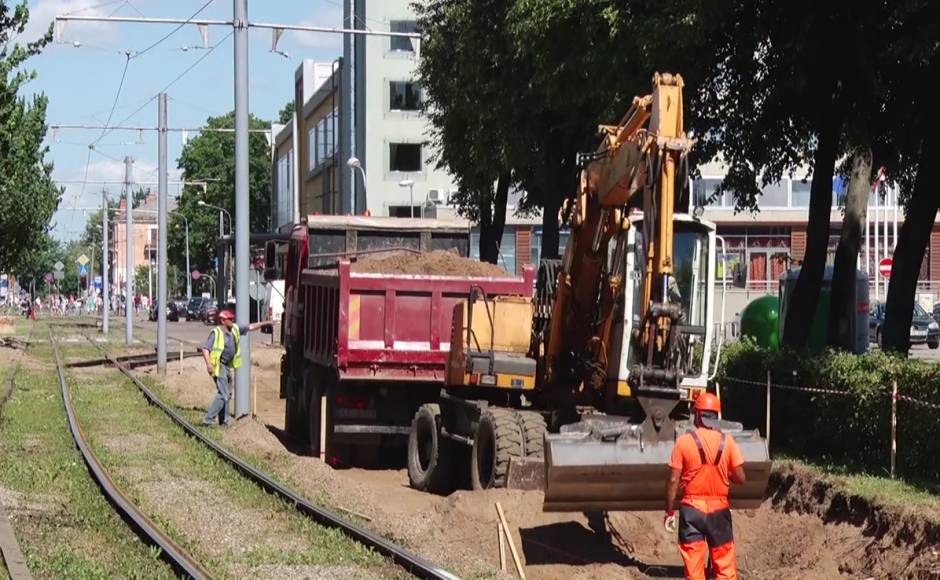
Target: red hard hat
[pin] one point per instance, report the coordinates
(227, 315)
(707, 402)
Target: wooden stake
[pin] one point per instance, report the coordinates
(512, 544)
(323, 428)
(181, 360)
(767, 427)
(894, 425)
(502, 546)
(254, 394)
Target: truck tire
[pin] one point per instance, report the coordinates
(497, 440)
(533, 429)
(428, 456)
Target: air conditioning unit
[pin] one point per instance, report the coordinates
(436, 196)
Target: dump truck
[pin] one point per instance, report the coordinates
(365, 351)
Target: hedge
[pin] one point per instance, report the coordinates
(851, 430)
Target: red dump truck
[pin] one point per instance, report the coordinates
(363, 351)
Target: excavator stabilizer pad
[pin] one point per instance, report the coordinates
(585, 473)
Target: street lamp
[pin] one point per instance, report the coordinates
(354, 163)
(410, 184)
(222, 211)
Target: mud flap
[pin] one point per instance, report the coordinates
(585, 472)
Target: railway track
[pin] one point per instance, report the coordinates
(414, 564)
(175, 555)
(10, 551)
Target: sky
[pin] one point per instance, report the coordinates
(81, 75)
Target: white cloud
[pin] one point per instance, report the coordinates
(43, 12)
(327, 14)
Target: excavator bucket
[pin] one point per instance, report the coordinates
(607, 466)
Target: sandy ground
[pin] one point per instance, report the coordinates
(782, 539)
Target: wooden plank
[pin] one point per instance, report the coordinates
(512, 543)
(12, 555)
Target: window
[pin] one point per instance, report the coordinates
(404, 96)
(774, 195)
(285, 188)
(703, 193)
(404, 157)
(312, 159)
(401, 43)
(507, 249)
(404, 211)
(799, 193)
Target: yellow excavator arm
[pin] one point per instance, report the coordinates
(637, 161)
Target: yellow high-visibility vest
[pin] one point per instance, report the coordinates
(218, 344)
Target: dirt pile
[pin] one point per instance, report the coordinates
(436, 263)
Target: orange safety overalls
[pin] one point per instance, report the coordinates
(705, 519)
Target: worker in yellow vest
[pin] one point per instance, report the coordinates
(222, 353)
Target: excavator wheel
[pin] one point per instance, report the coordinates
(428, 455)
(533, 429)
(498, 439)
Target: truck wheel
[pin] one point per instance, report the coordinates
(533, 429)
(428, 457)
(934, 345)
(498, 439)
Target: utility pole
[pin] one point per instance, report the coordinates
(105, 290)
(129, 258)
(161, 235)
(189, 273)
(242, 311)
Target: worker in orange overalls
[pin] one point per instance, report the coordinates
(705, 460)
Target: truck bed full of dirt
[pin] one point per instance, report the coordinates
(436, 263)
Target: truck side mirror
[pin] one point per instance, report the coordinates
(270, 261)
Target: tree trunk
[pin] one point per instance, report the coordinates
(802, 305)
(843, 299)
(489, 243)
(499, 212)
(912, 243)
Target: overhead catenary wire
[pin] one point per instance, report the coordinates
(172, 32)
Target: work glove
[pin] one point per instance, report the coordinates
(671, 522)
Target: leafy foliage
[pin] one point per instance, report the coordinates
(210, 157)
(851, 430)
(286, 114)
(28, 196)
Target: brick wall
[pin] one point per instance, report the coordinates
(797, 243)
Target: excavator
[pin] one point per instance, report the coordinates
(622, 328)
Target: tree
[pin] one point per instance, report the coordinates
(286, 115)
(28, 196)
(210, 157)
(842, 302)
(471, 139)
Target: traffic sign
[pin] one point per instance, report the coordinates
(59, 265)
(884, 267)
(83, 270)
(197, 274)
(58, 274)
(82, 260)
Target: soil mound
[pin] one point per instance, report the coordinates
(436, 263)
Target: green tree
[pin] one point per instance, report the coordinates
(28, 196)
(210, 157)
(286, 114)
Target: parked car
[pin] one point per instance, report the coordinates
(924, 329)
(207, 311)
(172, 312)
(192, 308)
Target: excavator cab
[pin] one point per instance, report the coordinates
(608, 462)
